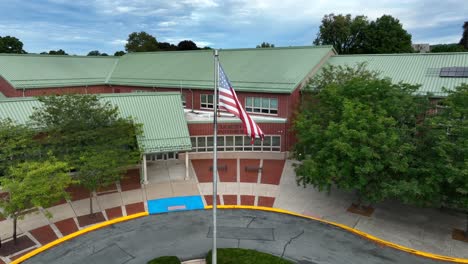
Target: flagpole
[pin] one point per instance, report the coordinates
(215, 150)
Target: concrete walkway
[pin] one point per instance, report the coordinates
(422, 229)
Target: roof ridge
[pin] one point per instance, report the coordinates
(233, 49)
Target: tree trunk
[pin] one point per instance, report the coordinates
(91, 214)
(14, 228)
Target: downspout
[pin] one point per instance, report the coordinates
(23, 91)
(192, 100)
(86, 89)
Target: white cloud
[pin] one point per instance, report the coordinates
(118, 42)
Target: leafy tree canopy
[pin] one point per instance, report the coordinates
(187, 45)
(345, 33)
(350, 35)
(90, 136)
(141, 41)
(167, 46)
(355, 135)
(16, 144)
(33, 184)
(56, 52)
(10, 44)
(464, 39)
(448, 48)
(265, 45)
(119, 53)
(386, 35)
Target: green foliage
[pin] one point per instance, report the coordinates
(357, 35)
(141, 41)
(90, 136)
(16, 144)
(265, 45)
(28, 185)
(386, 35)
(356, 134)
(345, 33)
(56, 52)
(245, 256)
(440, 170)
(464, 39)
(119, 53)
(448, 48)
(166, 46)
(10, 44)
(165, 260)
(187, 45)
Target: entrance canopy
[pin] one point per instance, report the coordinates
(162, 116)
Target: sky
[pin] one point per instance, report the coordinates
(79, 26)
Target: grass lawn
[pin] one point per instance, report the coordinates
(245, 256)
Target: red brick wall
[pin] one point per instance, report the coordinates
(236, 129)
(8, 90)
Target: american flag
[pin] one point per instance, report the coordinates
(228, 100)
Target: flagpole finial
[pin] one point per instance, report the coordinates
(216, 52)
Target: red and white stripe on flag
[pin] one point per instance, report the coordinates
(228, 100)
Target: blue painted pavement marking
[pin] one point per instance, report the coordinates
(181, 203)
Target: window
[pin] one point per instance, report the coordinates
(206, 101)
(184, 100)
(261, 105)
(235, 143)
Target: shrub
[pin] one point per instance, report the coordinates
(245, 256)
(165, 260)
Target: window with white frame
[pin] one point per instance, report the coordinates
(261, 105)
(235, 143)
(206, 101)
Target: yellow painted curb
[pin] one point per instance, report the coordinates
(77, 233)
(347, 228)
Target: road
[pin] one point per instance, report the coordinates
(188, 236)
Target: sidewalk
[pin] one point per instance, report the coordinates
(422, 229)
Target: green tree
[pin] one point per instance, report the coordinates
(345, 33)
(94, 53)
(57, 52)
(187, 45)
(265, 45)
(119, 53)
(16, 144)
(356, 135)
(386, 35)
(447, 48)
(33, 184)
(141, 41)
(167, 46)
(439, 172)
(90, 136)
(10, 44)
(464, 39)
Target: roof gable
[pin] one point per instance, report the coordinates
(162, 116)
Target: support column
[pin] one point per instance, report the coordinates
(187, 166)
(145, 171)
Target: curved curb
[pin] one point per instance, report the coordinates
(349, 229)
(76, 234)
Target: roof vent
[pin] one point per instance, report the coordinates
(454, 72)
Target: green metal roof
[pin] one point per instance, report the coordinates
(164, 125)
(42, 71)
(417, 68)
(275, 70)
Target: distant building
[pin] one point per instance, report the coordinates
(421, 48)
